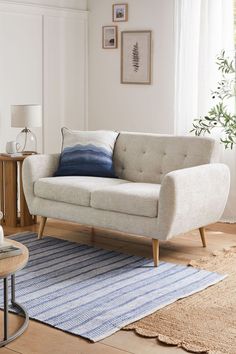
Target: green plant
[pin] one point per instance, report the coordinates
(219, 115)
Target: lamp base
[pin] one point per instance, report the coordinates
(27, 142)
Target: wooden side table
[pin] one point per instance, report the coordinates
(11, 192)
(8, 268)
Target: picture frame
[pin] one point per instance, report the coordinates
(109, 37)
(120, 12)
(136, 57)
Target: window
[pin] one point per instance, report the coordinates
(235, 23)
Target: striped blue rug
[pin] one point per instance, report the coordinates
(93, 292)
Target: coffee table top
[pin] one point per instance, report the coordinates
(13, 264)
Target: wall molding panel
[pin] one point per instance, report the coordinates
(28, 6)
(45, 61)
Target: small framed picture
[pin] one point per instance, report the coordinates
(136, 57)
(109, 37)
(120, 12)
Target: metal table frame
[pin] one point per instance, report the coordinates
(6, 337)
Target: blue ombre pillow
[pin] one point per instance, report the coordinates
(87, 153)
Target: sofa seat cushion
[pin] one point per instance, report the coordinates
(72, 189)
(130, 198)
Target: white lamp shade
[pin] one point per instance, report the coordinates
(26, 116)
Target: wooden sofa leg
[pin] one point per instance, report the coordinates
(41, 226)
(155, 251)
(202, 233)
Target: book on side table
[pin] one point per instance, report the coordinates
(7, 250)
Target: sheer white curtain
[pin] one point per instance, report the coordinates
(203, 28)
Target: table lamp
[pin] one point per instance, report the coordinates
(25, 116)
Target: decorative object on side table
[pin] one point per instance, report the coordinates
(11, 191)
(7, 250)
(8, 267)
(109, 37)
(219, 115)
(12, 147)
(25, 116)
(136, 57)
(120, 12)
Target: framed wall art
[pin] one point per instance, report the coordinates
(136, 57)
(120, 12)
(109, 37)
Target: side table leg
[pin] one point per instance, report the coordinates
(11, 193)
(2, 190)
(25, 218)
(13, 287)
(5, 280)
(9, 338)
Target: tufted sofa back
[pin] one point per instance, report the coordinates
(148, 158)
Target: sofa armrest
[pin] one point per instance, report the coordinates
(191, 198)
(35, 167)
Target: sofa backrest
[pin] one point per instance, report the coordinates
(142, 157)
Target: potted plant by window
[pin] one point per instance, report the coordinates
(219, 115)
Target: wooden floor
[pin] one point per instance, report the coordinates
(42, 339)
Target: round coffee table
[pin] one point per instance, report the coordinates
(8, 268)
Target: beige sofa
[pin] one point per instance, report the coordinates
(167, 185)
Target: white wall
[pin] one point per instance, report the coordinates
(111, 105)
(43, 60)
(20, 68)
(65, 77)
(132, 107)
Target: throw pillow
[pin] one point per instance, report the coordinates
(87, 153)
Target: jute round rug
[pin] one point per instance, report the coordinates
(204, 322)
